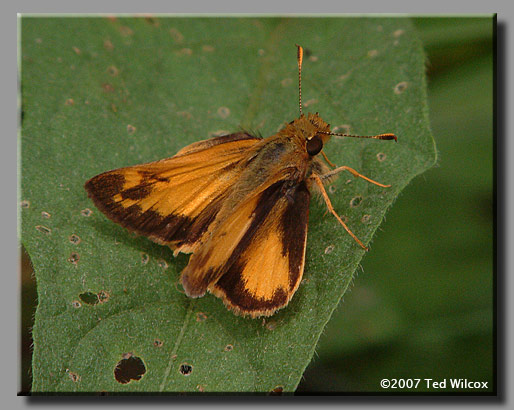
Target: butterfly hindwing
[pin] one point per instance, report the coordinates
(175, 200)
(260, 263)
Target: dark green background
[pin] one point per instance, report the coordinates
(423, 305)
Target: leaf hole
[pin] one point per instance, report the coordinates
(158, 343)
(144, 258)
(129, 368)
(131, 129)
(25, 204)
(76, 304)
(355, 202)
(366, 219)
(229, 348)
(89, 298)
(186, 369)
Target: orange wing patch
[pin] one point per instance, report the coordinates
(174, 201)
(262, 252)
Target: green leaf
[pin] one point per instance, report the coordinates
(99, 94)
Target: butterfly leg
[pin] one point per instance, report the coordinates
(327, 160)
(354, 173)
(317, 179)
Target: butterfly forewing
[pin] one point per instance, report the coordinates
(174, 201)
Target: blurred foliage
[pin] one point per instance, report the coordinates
(423, 305)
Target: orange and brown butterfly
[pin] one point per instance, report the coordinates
(238, 203)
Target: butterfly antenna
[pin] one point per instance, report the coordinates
(376, 137)
(300, 59)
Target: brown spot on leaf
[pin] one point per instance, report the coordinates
(73, 376)
(112, 70)
(103, 296)
(277, 391)
(329, 249)
(381, 156)
(74, 258)
(108, 88)
(223, 112)
(108, 45)
(74, 239)
(185, 52)
(152, 21)
(43, 229)
(177, 35)
(400, 87)
(126, 31)
(86, 212)
(200, 317)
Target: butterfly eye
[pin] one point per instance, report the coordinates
(314, 145)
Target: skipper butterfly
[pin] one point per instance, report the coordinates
(238, 203)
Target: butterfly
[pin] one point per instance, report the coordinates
(238, 203)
